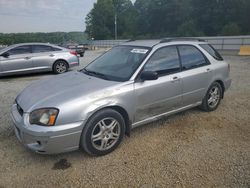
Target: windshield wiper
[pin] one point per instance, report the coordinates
(96, 74)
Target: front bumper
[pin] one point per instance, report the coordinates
(46, 140)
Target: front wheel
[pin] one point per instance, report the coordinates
(103, 132)
(60, 67)
(213, 97)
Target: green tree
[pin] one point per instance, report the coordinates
(54, 38)
(100, 20)
(231, 29)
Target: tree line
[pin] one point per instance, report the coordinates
(53, 38)
(168, 18)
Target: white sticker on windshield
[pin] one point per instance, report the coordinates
(139, 51)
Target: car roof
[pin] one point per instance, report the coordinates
(32, 43)
(155, 42)
(142, 43)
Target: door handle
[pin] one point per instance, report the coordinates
(208, 70)
(51, 55)
(27, 58)
(175, 79)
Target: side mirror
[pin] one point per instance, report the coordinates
(149, 75)
(5, 54)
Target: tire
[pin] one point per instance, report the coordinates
(81, 54)
(103, 132)
(60, 67)
(213, 97)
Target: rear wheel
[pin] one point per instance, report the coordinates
(213, 97)
(60, 67)
(103, 132)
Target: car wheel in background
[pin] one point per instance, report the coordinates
(213, 97)
(103, 132)
(60, 67)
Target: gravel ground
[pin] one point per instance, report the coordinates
(190, 149)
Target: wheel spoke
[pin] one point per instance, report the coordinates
(103, 123)
(104, 144)
(112, 125)
(210, 100)
(215, 91)
(114, 136)
(97, 137)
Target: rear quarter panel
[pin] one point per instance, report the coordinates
(72, 60)
(219, 69)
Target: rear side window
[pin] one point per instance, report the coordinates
(164, 61)
(211, 51)
(191, 57)
(41, 48)
(56, 49)
(26, 49)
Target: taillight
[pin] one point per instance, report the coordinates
(74, 53)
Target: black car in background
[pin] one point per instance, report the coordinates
(80, 49)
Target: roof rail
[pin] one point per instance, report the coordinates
(182, 39)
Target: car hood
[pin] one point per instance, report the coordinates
(53, 91)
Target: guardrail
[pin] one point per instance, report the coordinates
(219, 43)
(228, 43)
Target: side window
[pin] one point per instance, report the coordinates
(56, 49)
(164, 61)
(191, 57)
(26, 49)
(211, 51)
(41, 48)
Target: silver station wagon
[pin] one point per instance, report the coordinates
(36, 57)
(130, 85)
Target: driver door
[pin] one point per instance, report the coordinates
(159, 96)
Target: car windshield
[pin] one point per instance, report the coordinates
(118, 64)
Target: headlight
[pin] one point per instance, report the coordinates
(45, 117)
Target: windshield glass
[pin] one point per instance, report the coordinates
(118, 64)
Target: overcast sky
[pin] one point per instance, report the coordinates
(43, 15)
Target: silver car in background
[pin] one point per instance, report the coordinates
(36, 57)
(130, 85)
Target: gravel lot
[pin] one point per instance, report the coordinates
(190, 149)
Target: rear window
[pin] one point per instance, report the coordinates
(211, 51)
(191, 57)
(56, 49)
(44, 48)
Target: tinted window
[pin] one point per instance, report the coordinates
(20, 50)
(211, 51)
(191, 57)
(41, 48)
(56, 49)
(164, 61)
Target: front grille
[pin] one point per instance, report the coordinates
(19, 109)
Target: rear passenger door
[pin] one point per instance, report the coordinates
(196, 74)
(43, 56)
